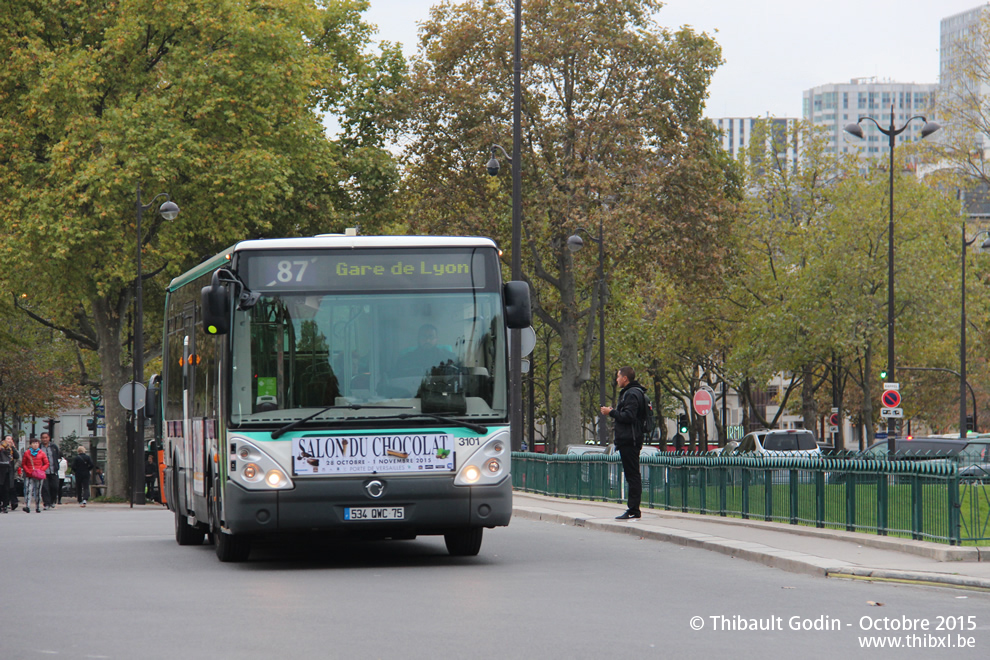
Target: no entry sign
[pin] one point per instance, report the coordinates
(703, 402)
(891, 398)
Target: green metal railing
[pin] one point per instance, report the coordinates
(923, 500)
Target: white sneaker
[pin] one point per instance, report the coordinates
(84, 503)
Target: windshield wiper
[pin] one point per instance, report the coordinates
(477, 428)
(354, 406)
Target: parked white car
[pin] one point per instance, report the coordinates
(797, 442)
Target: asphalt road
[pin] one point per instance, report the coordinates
(110, 582)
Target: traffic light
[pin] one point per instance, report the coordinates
(883, 375)
(682, 423)
(91, 424)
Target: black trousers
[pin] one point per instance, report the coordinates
(49, 489)
(6, 485)
(12, 491)
(630, 466)
(82, 487)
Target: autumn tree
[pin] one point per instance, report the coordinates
(812, 278)
(612, 135)
(216, 103)
(37, 370)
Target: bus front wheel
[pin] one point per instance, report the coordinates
(230, 547)
(464, 542)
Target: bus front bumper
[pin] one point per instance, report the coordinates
(430, 505)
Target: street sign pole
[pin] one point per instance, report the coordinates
(891, 411)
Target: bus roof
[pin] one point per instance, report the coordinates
(344, 241)
(206, 266)
(328, 241)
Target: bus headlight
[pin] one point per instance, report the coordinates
(254, 469)
(488, 465)
(275, 478)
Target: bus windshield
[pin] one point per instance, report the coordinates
(382, 352)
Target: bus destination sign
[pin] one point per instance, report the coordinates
(368, 454)
(355, 270)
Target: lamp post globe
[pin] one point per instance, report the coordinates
(169, 210)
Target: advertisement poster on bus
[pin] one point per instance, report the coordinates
(369, 454)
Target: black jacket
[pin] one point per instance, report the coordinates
(627, 415)
(81, 465)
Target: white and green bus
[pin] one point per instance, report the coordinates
(339, 383)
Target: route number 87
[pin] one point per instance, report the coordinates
(289, 271)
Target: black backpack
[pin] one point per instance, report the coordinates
(647, 418)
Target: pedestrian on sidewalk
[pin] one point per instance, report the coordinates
(49, 491)
(63, 466)
(150, 478)
(628, 434)
(12, 483)
(8, 458)
(34, 464)
(81, 466)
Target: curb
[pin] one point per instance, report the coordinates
(904, 577)
(787, 560)
(927, 549)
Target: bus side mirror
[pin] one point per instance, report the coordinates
(215, 308)
(152, 402)
(518, 312)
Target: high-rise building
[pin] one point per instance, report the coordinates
(962, 50)
(833, 106)
(737, 131)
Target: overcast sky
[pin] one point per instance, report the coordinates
(775, 49)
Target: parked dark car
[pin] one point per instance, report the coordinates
(970, 453)
(915, 449)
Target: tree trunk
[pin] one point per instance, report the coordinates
(571, 427)
(108, 327)
(809, 407)
(575, 352)
(867, 397)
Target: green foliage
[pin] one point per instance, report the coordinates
(612, 137)
(812, 285)
(215, 102)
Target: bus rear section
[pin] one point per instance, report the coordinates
(354, 385)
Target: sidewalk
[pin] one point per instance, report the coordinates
(794, 548)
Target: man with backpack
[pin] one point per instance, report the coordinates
(629, 415)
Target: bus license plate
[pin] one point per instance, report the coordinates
(352, 513)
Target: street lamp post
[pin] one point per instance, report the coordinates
(574, 243)
(891, 133)
(515, 336)
(168, 210)
(962, 327)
